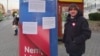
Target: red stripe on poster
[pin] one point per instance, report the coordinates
(34, 45)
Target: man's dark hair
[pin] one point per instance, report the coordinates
(71, 6)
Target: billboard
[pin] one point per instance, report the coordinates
(38, 28)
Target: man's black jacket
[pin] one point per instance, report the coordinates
(76, 33)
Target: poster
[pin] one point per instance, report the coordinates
(48, 22)
(37, 6)
(25, 1)
(29, 27)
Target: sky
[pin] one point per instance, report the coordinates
(12, 4)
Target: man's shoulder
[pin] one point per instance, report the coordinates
(81, 18)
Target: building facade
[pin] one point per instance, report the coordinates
(2, 9)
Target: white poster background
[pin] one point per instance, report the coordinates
(37, 6)
(29, 27)
(25, 1)
(48, 22)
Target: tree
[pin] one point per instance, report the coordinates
(1, 16)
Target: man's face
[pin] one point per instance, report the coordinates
(73, 12)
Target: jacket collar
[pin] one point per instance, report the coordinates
(79, 14)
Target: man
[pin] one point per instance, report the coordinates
(76, 32)
(15, 24)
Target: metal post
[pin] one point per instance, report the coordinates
(95, 3)
(7, 10)
(7, 6)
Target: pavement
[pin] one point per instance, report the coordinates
(9, 42)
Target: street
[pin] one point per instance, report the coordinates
(9, 42)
